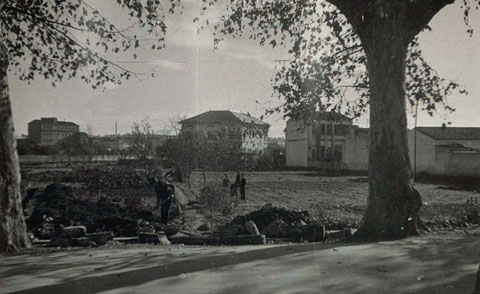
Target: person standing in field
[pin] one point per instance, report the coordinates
(234, 187)
(165, 191)
(243, 183)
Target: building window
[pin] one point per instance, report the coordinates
(338, 153)
(329, 129)
(314, 154)
(328, 154)
(340, 130)
(322, 129)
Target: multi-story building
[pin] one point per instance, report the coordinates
(249, 133)
(332, 141)
(48, 130)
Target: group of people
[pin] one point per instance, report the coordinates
(240, 182)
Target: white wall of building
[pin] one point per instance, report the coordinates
(356, 150)
(434, 159)
(296, 153)
(457, 163)
(253, 138)
(430, 158)
(296, 144)
(425, 152)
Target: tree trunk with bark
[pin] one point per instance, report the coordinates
(385, 29)
(13, 231)
(393, 202)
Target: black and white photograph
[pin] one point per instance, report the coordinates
(239, 146)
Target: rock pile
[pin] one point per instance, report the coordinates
(269, 214)
(56, 206)
(281, 223)
(77, 236)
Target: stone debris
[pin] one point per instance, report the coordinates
(276, 229)
(203, 228)
(74, 232)
(57, 205)
(182, 238)
(170, 229)
(153, 238)
(339, 235)
(237, 240)
(101, 238)
(269, 213)
(252, 228)
(82, 242)
(77, 236)
(228, 230)
(280, 224)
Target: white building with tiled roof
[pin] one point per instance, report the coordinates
(248, 132)
(332, 141)
(445, 150)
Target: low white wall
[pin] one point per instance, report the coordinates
(66, 158)
(457, 163)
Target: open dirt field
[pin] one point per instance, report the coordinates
(341, 198)
(336, 199)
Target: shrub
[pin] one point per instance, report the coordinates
(216, 198)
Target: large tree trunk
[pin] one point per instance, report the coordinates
(393, 203)
(385, 29)
(13, 232)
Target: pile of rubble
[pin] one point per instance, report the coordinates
(268, 224)
(77, 236)
(56, 205)
(269, 214)
(281, 224)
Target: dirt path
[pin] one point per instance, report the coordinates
(430, 264)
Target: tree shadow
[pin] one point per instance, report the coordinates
(137, 273)
(415, 265)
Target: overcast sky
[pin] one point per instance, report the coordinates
(233, 77)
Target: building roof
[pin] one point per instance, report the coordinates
(223, 116)
(328, 115)
(64, 123)
(450, 133)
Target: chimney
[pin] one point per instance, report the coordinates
(444, 126)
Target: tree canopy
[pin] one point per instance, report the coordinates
(347, 55)
(57, 40)
(61, 39)
(327, 69)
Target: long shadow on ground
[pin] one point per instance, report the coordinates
(140, 276)
(416, 265)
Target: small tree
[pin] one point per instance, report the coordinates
(142, 144)
(218, 201)
(184, 151)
